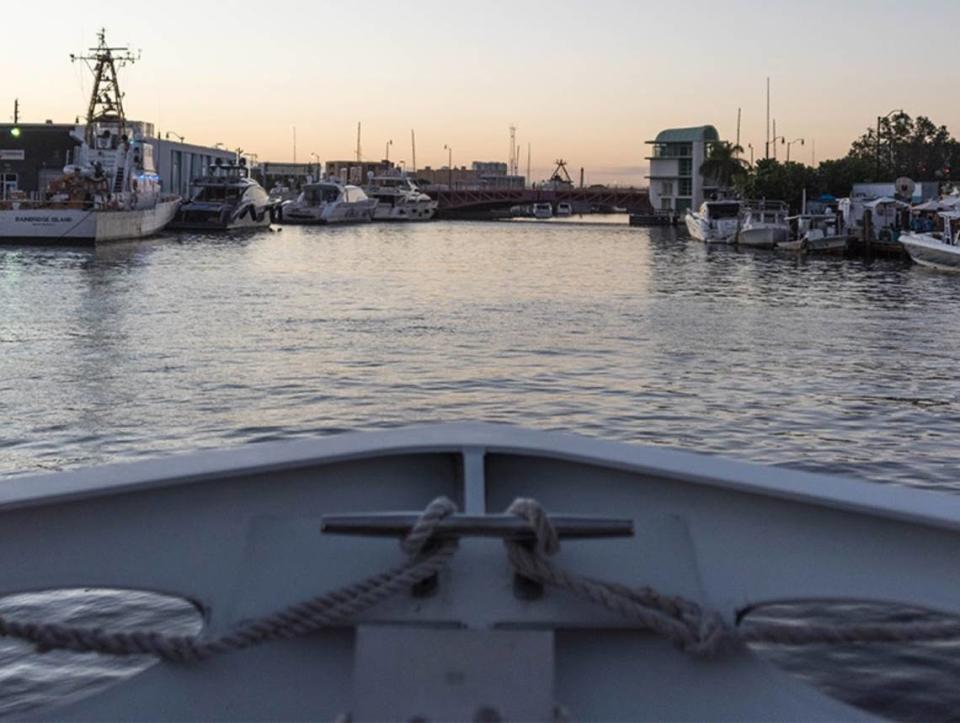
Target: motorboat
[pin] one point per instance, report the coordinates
(937, 249)
(542, 210)
(109, 191)
(764, 224)
(815, 234)
(564, 209)
(225, 199)
(715, 222)
(399, 199)
(329, 201)
(540, 576)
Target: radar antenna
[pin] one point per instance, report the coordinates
(106, 100)
(560, 174)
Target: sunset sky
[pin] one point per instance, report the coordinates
(586, 81)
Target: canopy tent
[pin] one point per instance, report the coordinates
(885, 201)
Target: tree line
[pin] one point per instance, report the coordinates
(915, 148)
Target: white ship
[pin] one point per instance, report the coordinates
(329, 201)
(716, 222)
(399, 199)
(225, 199)
(936, 250)
(764, 225)
(111, 190)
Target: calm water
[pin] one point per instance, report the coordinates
(639, 335)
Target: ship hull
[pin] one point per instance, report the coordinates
(82, 227)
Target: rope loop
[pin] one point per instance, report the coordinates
(426, 525)
(548, 541)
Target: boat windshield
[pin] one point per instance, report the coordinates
(321, 194)
(723, 210)
(217, 194)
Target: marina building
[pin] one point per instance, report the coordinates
(675, 180)
(34, 154)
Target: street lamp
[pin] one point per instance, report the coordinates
(773, 141)
(386, 154)
(219, 145)
(790, 143)
(449, 151)
(177, 135)
(880, 119)
(750, 146)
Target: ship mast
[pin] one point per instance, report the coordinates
(106, 100)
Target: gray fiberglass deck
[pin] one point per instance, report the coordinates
(239, 533)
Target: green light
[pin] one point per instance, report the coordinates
(15, 132)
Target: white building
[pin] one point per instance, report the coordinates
(675, 180)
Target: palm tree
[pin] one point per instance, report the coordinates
(723, 164)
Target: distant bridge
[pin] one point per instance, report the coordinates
(467, 201)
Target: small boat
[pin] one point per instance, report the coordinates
(226, 199)
(764, 224)
(399, 199)
(329, 201)
(815, 234)
(540, 577)
(542, 210)
(936, 250)
(564, 209)
(110, 191)
(716, 222)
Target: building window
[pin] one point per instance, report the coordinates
(8, 183)
(666, 188)
(685, 187)
(665, 204)
(686, 166)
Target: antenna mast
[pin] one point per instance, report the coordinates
(413, 148)
(359, 155)
(106, 100)
(529, 180)
(739, 111)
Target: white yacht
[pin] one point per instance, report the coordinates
(329, 201)
(936, 250)
(764, 224)
(564, 209)
(227, 198)
(542, 210)
(815, 234)
(399, 199)
(110, 191)
(716, 222)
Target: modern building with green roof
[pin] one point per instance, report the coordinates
(675, 180)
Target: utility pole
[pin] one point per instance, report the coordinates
(513, 160)
(294, 144)
(774, 139)
(739, 110)
(386, 154)
(16, 111)
(358, 143)
(767, 151)
(581, 176)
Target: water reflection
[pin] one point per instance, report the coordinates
(194, 341)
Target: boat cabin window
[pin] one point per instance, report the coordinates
(321, 194)
(723, 210)
(217, 194)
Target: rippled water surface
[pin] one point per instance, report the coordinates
(640, 335)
